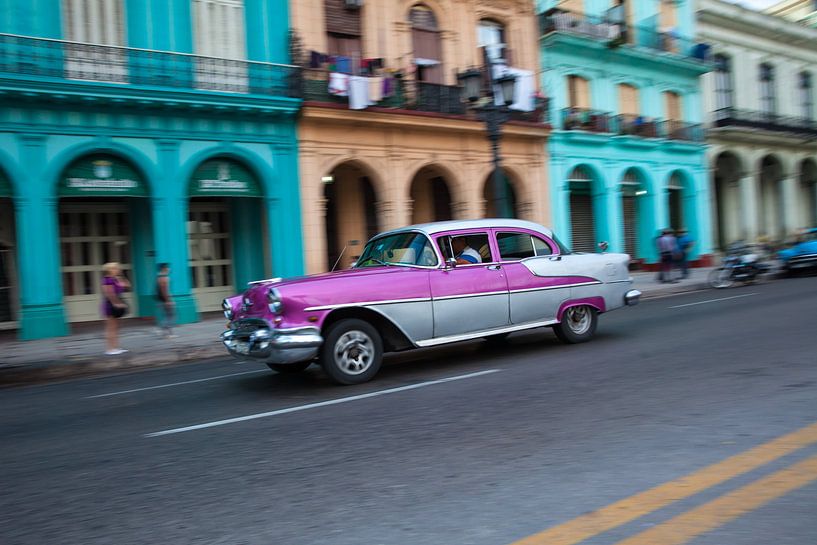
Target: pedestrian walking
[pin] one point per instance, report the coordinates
(685, 244)
(667, 246)
(114, 284)
(166, 306)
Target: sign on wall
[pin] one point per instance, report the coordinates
(101, 176)
(223, 178)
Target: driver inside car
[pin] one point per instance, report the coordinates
(463, 253)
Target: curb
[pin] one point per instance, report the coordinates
(75, 367)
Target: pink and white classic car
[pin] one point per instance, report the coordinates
(426, 285)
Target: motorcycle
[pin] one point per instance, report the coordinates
(740, 264)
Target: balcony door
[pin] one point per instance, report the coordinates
(220, 41)
(427, 43)
(96, 30)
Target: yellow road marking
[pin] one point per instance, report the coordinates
(715, 513)
(643, 503)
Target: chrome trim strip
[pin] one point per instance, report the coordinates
(368, 303)
(523, 290)
(484, 333)
(628, 281)
(466, 295)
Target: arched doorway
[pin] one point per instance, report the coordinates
(351, 213)
(582, 215)
(9, 298)
(808, 193)
(637, 213)
(226, 231)
(430, 195)
(727, 174)
(510, 194)
(770, 204)
(104, 217)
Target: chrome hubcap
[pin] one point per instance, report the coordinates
(578, 319)
(354, 352)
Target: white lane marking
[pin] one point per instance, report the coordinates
(175, 384)
(714, 300)
(320, 404)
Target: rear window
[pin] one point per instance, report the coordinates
(514, 246)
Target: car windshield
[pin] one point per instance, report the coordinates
(405, 249)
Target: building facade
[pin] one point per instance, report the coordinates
(408, 150)
(143, 132)
(799, 11)
(627, 154)
(759, 103)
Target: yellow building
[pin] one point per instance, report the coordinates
(413, 152)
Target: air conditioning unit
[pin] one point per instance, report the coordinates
(353, 4)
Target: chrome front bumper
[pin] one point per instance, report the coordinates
(256, 339)
(632, 297)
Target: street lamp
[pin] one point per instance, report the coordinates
(494, 116)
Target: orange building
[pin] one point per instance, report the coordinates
(411, 151)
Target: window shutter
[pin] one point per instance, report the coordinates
(628, 99)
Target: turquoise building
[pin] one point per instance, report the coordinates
(142, 132)
(627, 154)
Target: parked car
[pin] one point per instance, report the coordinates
(417, 287)
(802, 255)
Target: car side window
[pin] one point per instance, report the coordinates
(475, 242)
(541, 247)
(514, 246)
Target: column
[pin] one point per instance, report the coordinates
(703, 220)
(170, 205)
(41, 310)
(790, 209)
(613, 231)
(748, 201)
(284, 211)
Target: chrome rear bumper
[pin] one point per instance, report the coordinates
(256, 339)
(632, 297)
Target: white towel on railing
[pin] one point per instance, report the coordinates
(358, 92)
(523, 90)
(338, 84)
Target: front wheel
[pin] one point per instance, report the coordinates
(352, 351)
(721, 278)
(289, 368)
(578, 324)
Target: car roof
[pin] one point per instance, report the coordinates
(457, 225)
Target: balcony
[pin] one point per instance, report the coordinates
(631, 125)
(733, 117)
(410, 95)
(30, 64)
(618, 34)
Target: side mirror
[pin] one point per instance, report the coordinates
(603, 245)
(451, 263)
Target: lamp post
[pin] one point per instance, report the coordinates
(494, 116)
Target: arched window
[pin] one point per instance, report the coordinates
(428, 49)
(578, 92)
(806, 96)
(723, 82)
(767, 95)
(491, 36)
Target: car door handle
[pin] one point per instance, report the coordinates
(494, 267)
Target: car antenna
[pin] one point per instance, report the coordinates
(338, 260)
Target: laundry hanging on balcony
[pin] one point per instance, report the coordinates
(358, 93)
(524, 88)
(338, 84)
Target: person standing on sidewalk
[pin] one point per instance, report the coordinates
(114, 284)
(667, 246)
(685, 243)
(165, 301)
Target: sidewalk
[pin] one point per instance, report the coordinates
(82, 352)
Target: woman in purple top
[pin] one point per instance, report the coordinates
(113, 308)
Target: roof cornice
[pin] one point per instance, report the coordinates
(735, 17)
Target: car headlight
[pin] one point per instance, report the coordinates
(228, 309)
(274, 302)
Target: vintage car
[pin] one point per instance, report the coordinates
(801, 255)
(416, 287)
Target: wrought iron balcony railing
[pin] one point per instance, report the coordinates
(24, 57)
(627, 124)
(618, 33)
(733, 117)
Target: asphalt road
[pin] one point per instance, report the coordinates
(608, 442)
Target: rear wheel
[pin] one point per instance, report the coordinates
(578, 324)
(352, 351)
(289, 368)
